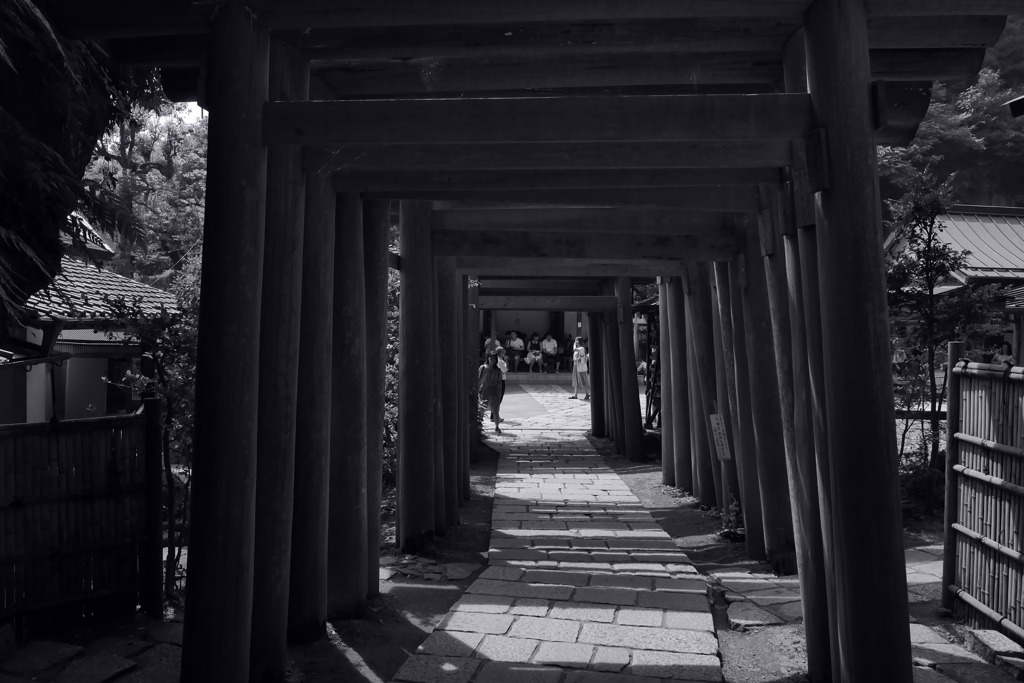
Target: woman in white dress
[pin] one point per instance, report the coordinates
(580, 370)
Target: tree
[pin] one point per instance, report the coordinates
(168, 372)
(915, 271)
(56, 98)
(154, 163)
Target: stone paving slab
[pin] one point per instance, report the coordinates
(583, 586)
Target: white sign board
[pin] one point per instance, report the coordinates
(721, 437)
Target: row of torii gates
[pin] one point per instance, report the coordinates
(639, 138)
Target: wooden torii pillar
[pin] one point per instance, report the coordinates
(280, 324)
(307, 603)
(632, 424)
(447, 305)
(222, 547)
(416, 389)
(682, 455)
(668, 465)
(376, 225)
(598, 423)
(347, 526)
(866, 512)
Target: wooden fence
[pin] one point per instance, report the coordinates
(80, 521)
(984, 565)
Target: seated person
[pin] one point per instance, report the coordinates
(1005, 356)
(516, 349)
(533, 354)
(491, 344)
(549, 350)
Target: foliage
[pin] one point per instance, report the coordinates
(154, 164)
(390, 435)
(56, 98)
(921, 263)
(969, 136)
(168, 372)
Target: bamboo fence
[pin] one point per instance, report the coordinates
(985, 504)
(77, 534)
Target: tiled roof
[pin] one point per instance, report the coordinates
(84, 292)
(994, 236)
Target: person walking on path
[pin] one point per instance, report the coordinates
(533, 354)
(503, 366)
(580, 370)
(489, 387)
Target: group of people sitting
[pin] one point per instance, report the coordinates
(492, 375)
(540, 355)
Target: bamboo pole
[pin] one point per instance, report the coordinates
(956, 350)
(416, 392)
(222, 540)
(682, 455)
(376, 227)
(347, 525)
(668, 465)
(280, 323)
(866, 501)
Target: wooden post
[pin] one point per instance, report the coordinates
(614, 382)
(803, 478)
(441, 522)
(668, 465)
(151, 574)
(307, 602)
(462, 370)
(598, 426)
(472, 363)
(867, 516)
(376, 227)
(681, 453)
(347, 526)
(744, 408)
(766, 411)
(448, 368)
(699, 326)
(632, 422)
(703, 480)
(279, 381)
(416, 393)
(743, 437)
(222, 541)
(731, 492)
(956, 351)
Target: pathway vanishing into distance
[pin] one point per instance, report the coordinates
(583, 586)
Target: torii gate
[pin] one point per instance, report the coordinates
(755, 121)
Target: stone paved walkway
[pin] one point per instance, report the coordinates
(583, 585)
